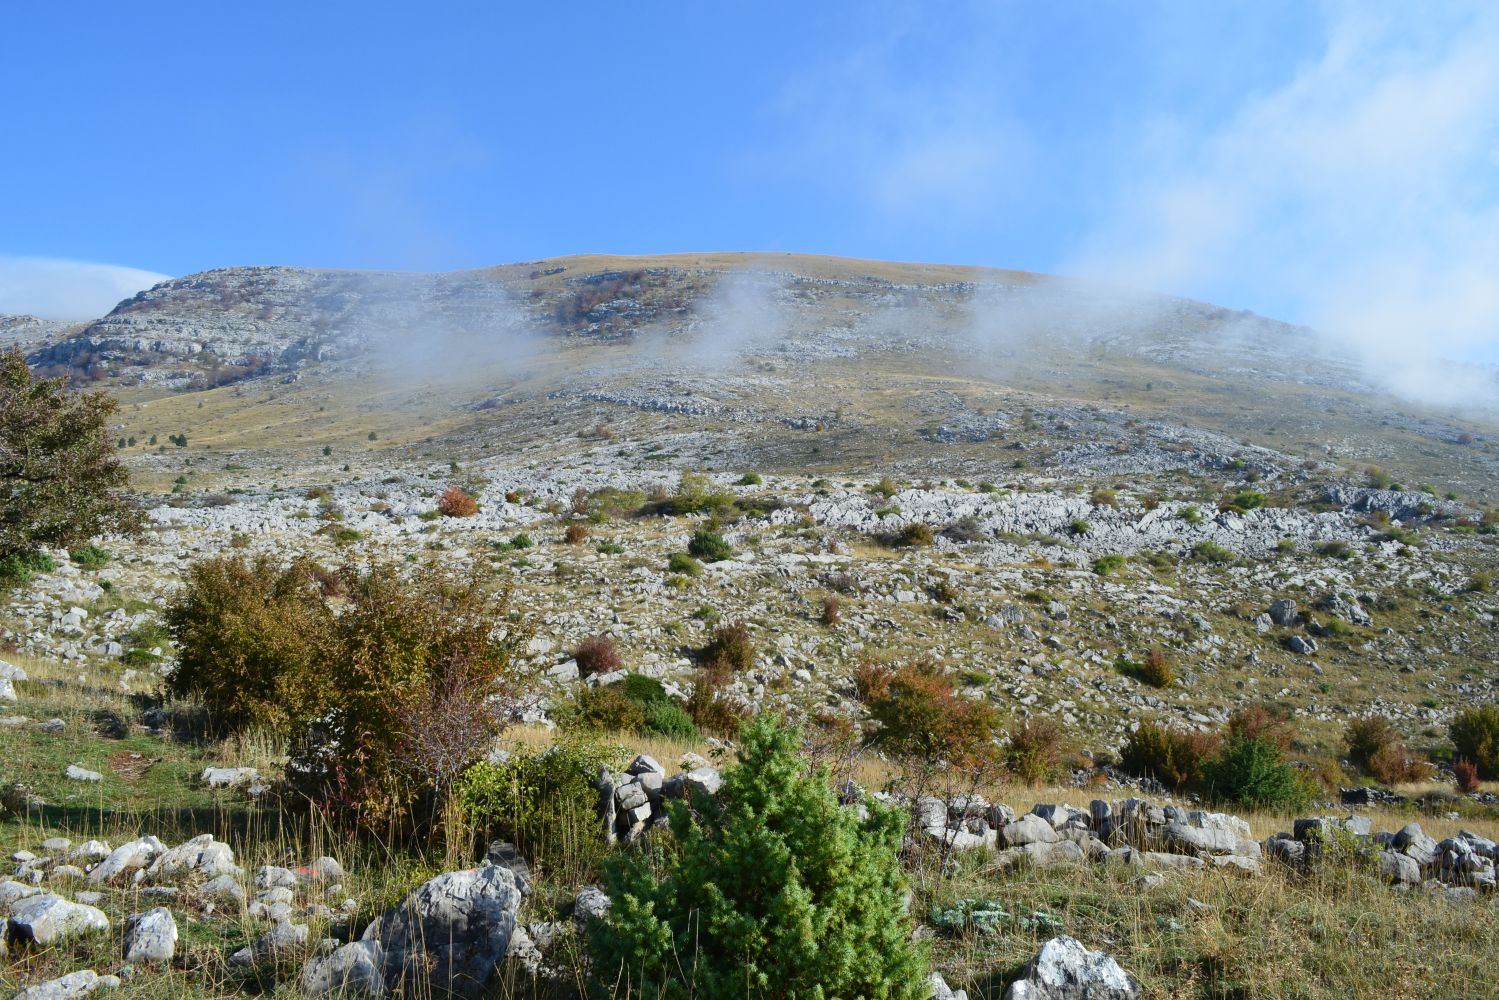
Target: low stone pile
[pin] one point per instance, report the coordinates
(634, 801)
(1135, 831)
(1132, 830)
(1463, 864)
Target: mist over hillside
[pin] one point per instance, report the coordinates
(783, 340)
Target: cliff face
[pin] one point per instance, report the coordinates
(255, 320)
(268, 318)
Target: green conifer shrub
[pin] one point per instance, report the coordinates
(772, 889)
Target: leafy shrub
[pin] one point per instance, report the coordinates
(1375, 747)
(1335, 550)
(1262, 723)
(730, 644)
(545, 803)
(638, 704)
(1395, 764)
(667, 718)
(18, 567)
(1155, 669)
(1034, 751)
(886, 487)
(1104, 498)
(1109, 565)
(696, 493)
(1252, 771)
(1170, 756)
(773, 890)
(576, 534)
(139, 658)
(750, 479)
(709, 546)
(1079, 527)
(89, 557)
(1465, 775)
(598, 654)
(1481, 583)
(251, 638)
(59, 475)
(1191, 514)
(920, 714)
(521, 541)
(711, 707)
(914, 535)
(603, 709)
(1245, 500)
(456, 503)
(832, 608)
(386, 703)
(1378, 478)
(642, 689)
(681, 562)
(1212, 553)
(1475, 733)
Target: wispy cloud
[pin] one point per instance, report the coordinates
(67, 289)
(917, 141)
(1352, 186)
(1358, 195)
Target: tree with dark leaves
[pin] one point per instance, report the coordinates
(60, 478)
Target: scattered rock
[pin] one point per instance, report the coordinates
(151, 937)
(1066, 970)
(45, 919)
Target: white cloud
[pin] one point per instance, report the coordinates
(936, 142)
(1358, 195)
(67, 289)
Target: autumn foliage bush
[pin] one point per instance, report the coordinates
(918, 713)
(1375, 747)
(1475, 733)
(731, 646)
(1034, 750)
(456, 503)
(385, 703)
(598, 654)
(1171, 756)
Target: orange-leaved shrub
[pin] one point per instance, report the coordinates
(1375, 747)
(597, 654)
(918, 713)
(456, 503)
(1173, 757)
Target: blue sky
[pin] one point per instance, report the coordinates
(1333, 164)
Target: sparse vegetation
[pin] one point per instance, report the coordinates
(1475, 734)
(730, 646)
(1110, 564)
(456, 503)
(598, 654)
(709, 546)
